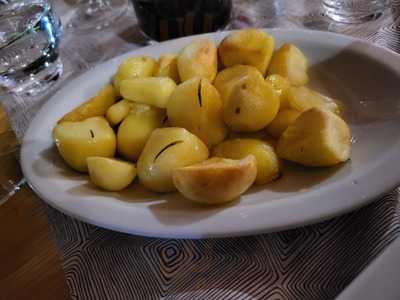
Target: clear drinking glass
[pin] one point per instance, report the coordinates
(96, 14)
(29, 40)
(29, 66)
(167, 19)
(354, 11)
(10, 174)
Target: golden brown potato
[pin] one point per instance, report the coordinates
(135, 130)
(196, 105)
(251, 105)
(282, 121)
(317, 138)
(303, 98)
(153, 91)
(168, 149)
(268, 163)
(118, 111)
(281, 86)
(167, 66)
(132, 67)
(289, 62)
(198, 59)
(217, 180)
(94, 107)
(247, 47)
(227, 78)
(110, 174)
(76, 141)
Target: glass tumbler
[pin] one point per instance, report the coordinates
(354, 11)
(10, 174)
(29, 40)
(167, 19)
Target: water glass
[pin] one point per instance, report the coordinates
(168, 19)
(354, 11)
(29, 41)
(10, 175)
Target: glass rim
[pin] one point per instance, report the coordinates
(12, 6)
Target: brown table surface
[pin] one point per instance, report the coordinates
(30, 267)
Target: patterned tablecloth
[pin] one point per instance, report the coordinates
(313, 262)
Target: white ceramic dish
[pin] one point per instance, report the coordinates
(365, 77)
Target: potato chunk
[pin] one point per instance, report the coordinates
(247, 47)
(227, 78)
(118, 111)
(207, 183)
(167, 66)
(148, 90)
(288, 61)
(132, 67)
(251, 105)
(95, 107)
(77, 141)
(281, 86)
(268, 164)
(317, 138)
(110, 174)
(196, 105)
(136, 129)
(166, 150)
(282, 121)
(304, 98)
(198, 59)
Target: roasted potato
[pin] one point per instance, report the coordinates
(196, 105)
(77, 141)
(207, 183)
(268, 164)
(135, 130)
(168, 149)
(251, 105)
(198, 59)
(282, 121)
(110, 174)
(317, 138)
(289, 62)
(227, 78)
(303, 98)
(132, 67)
(167, 66)
(94, 107)
(118, 111)
(281, 86)
(148, 90)
(176, 109)
(247, 47)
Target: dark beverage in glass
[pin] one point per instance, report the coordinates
(168, 19)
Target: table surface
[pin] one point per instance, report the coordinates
(30, 266)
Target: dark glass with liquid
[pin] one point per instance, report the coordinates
(168, 19)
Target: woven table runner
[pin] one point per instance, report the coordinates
(312, 262)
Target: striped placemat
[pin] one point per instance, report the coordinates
(313, 262)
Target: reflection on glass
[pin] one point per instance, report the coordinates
(29, 40)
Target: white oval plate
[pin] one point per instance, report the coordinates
(365, 77)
